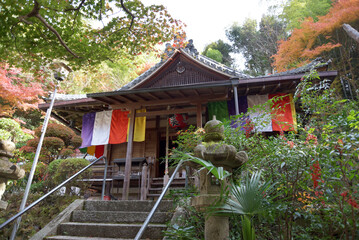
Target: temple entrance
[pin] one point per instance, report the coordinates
(162, 156)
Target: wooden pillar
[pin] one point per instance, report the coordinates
(236, 100)
(107, 153)
(199, 115)
(128, 166)
(155, 166)
(166, 176)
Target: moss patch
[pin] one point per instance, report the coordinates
(36, 218)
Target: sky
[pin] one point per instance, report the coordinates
(207, 20)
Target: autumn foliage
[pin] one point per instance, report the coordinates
(314, 38)
(18, 91)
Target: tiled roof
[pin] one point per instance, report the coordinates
(315, 64)
(216, 65)
(66, 97)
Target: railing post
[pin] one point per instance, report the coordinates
(104, 179)
(143, 182)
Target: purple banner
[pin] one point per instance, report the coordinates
(88, 121)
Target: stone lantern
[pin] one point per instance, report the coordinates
(8, 170)
(220, 155)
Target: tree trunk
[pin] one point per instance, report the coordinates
(351, 32)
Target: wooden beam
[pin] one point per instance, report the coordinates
(109, 101)
(128, 165)
(141, 97)
(125, 98)
(167, 94)
(182, 94)
(187, 100)
(154, 96)
(196, 91)
(167, 112)
(118, 99)
(276, 88)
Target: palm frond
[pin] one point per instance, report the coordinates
(247, 198)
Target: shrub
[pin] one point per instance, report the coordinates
(68, 167)
(27, 149)
(10, 129)
(40, 176)
(57, 130)
(76, 141)
(53, 167)
(66, 152)
(59, 141)
(50, 148)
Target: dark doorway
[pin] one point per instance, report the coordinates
(162, 156)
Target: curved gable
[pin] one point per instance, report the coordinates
(182, 70)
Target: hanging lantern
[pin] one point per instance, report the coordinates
(178, 121)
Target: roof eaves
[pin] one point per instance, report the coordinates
(158, 89)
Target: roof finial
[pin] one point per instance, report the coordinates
(190, 47)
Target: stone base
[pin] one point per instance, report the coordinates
(3, 205)
(201, 202)
(216, 228)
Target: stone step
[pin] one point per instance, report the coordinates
(176, 180)
(161, 178)
(62, 237)
(173, 184)
(118, 217)
(127, 205)
(155, 189)
(153, 195)
(159, 190)
(110, 230)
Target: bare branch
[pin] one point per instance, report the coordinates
(43, 20)
(351, 32)
(76, 9)
(35, 13)
(128, 12)
(101, 10)
(15, 39)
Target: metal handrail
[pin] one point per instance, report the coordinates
(142, 229)
(19, 214)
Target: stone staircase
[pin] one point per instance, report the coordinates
(114, 220)
(156, 186)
